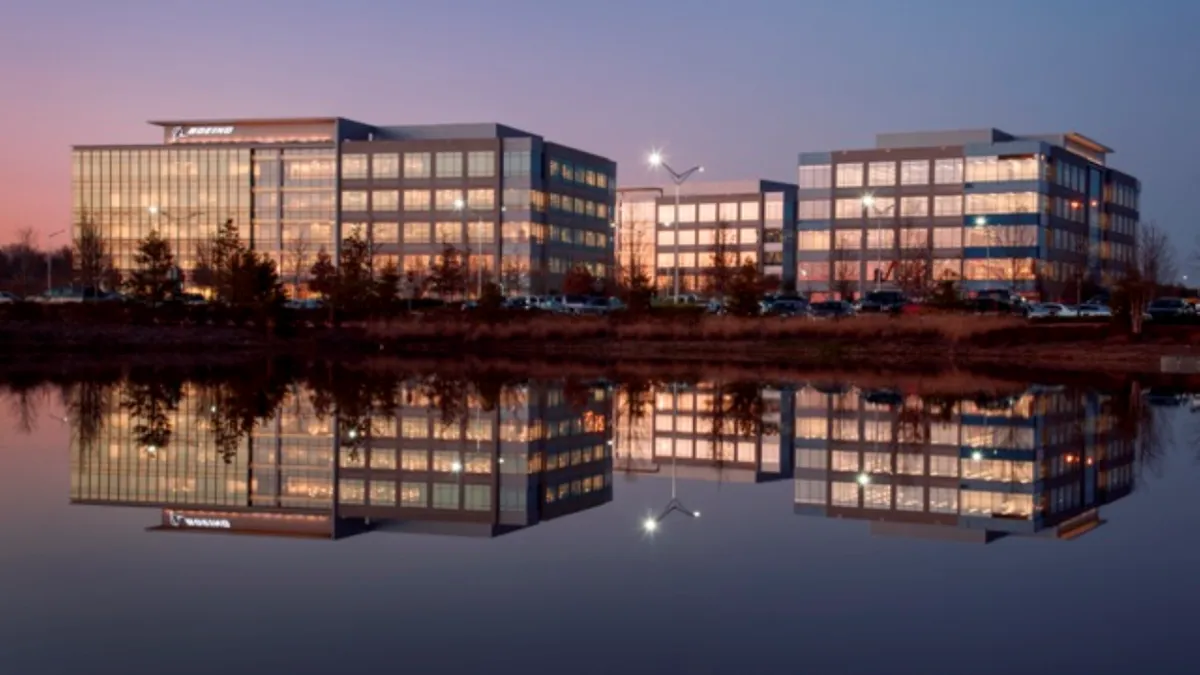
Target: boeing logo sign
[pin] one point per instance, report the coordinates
(180, 520)
(184, 133)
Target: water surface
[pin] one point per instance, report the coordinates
(436, 525)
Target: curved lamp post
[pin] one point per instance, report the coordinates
(679, 178)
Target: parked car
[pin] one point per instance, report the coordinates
(1165, 309)
(1051, 310)
(306, 304)
(831, 309)
(990, 305)
(784, 307)
(685, 299)
(521, 302)
(7, 298)
(1093, 311)
(552, 303)
(715, 306)
(882, 301)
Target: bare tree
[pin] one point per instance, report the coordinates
(90, 252)
(1156, 255)
(913, 272)
(514, 276)
(296, 261)
(722, 262)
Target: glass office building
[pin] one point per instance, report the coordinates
(1036, 214)
(523, 210)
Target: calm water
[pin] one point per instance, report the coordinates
(337, 521)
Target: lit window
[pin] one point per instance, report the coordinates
(708, 213)
(849, 175)
(914, 172)
(481, 164)
(749, 210)
(354, 166)
(385, 165)
(417, 165)
(948, 171)
(416, 200)
(816, 176)
(385, 200)
(447, 200)
(881, 173)
(448, 165)
(948, 205)
(914, 207)
(354, 200)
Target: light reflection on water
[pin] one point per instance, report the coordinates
(541, 481)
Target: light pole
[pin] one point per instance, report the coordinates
(679, 178)
(50, 263)
(868, 208)
(461, 206)
(981, 223)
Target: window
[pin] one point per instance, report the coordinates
(516, 163)
(477, 498)
(351, 491)
(773, 210)
(1002, 202)
(483, 199)
(813, 240)
(848, 240)
(914, 172)
(687, 213)
(385, 200)
(877, 496)
(992, 169)
(666, 238)
(414, 494)
(815, 176)
(416, 200)
(947, 237)
(910, 498)
(948, 171)
(448, 165)
(708, 213)
(666, 260)
(943, 500)
(354, 200)
(882, 173)
(882, 207)
(844, 494)
(914, 207)
(481, 164)
(749, 210)
(813, 271)
(880, 238)
(383, 492)
(481, 232)
(450, 233)
(748, 235)
(385, 233)
(354, 166)
(848, 208)
(910, 464)
(666, 214)
(914, 238)
(445, 496)
(728, 212)
(385, 165)
(447, 200)
(416, 233)
(849, 175)
(811, 492)
(417, 165)
(949, 205)
(687, 237)
(814, 209)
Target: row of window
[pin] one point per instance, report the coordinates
(727, 212)
(921, 464)
(390, 165)
(475, 199)
(709, 237)
(699, 260)
(994, 169)
(948, 171)
(987, 269)
(912, 498)
(576, 488)
(916, 238)
(581, 175)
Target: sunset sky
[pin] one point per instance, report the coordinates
(740, 86)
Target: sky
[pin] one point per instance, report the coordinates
(738, 86)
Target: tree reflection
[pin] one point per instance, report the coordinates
(150, 404)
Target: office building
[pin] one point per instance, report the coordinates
(522, 209)
(734, 221)
(1042, 215)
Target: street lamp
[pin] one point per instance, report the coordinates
(650, 524)
(460, 205)
(868, 208)
(981, 222)
(50, 264)
(679, 178)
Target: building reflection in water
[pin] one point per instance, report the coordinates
(1039, 463)
(309, 467)
(429, 455)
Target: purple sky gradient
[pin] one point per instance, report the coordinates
(741, 87)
